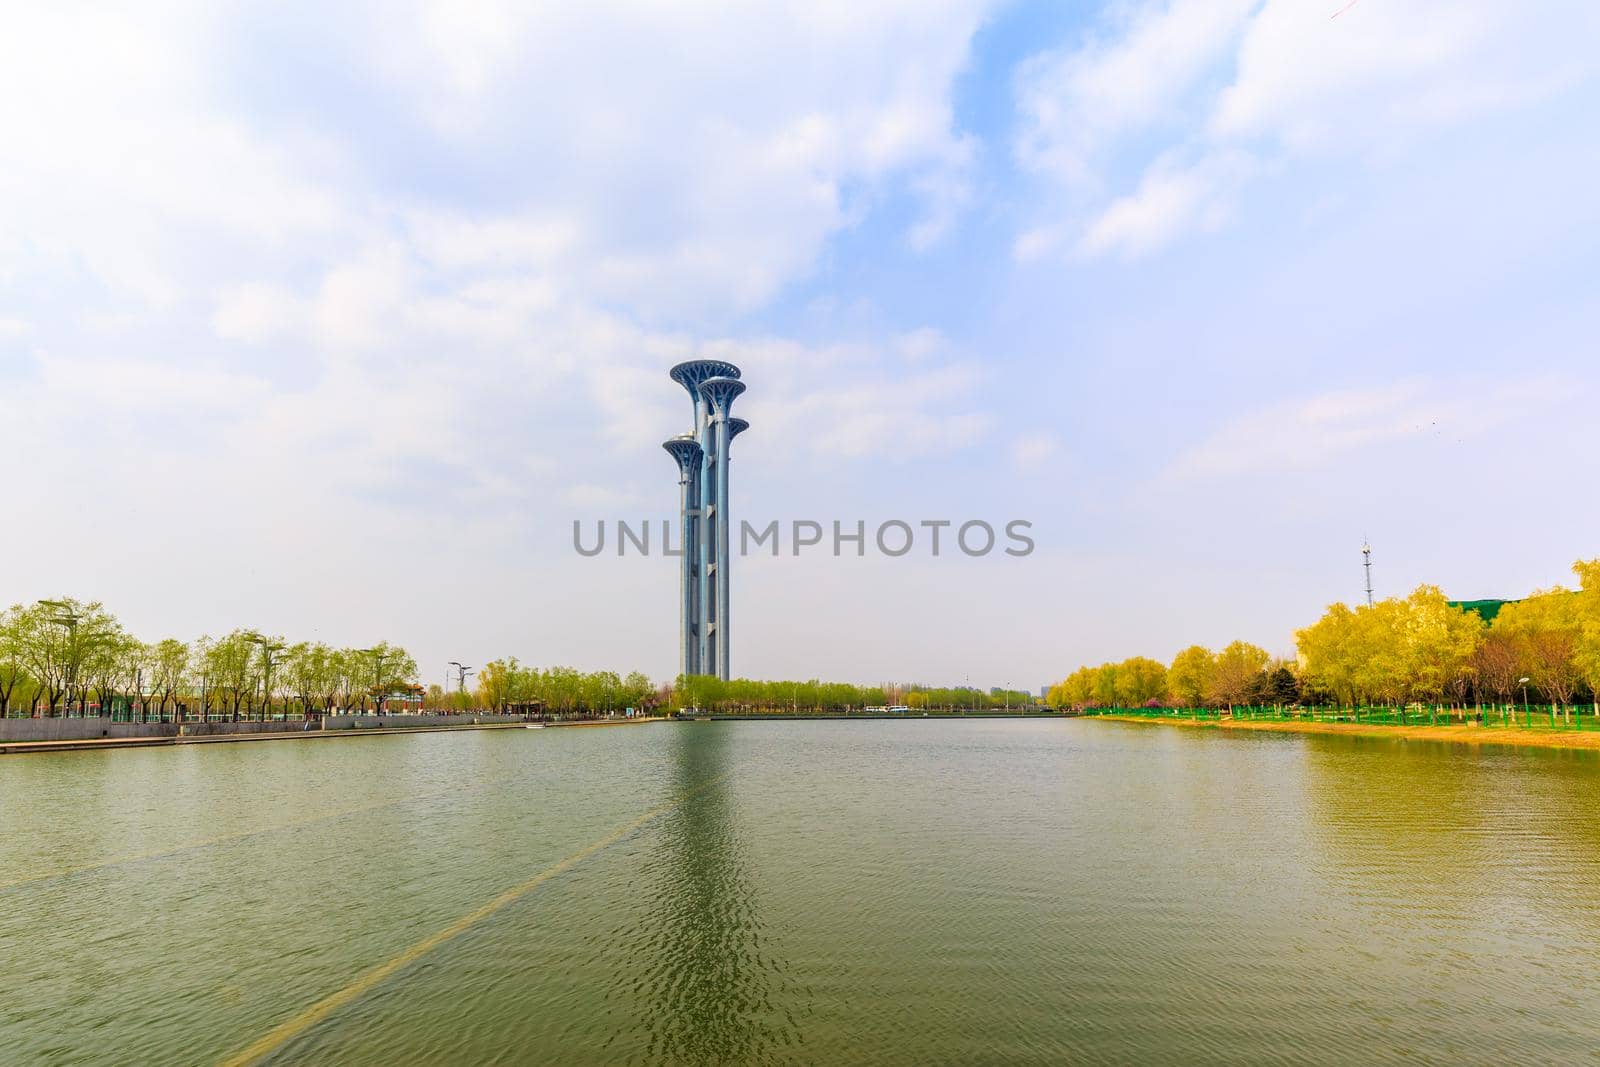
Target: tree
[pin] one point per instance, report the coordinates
(1547, 630)
(306, 670)
(1279, 685)
(1495, 664)
(638, 689)
(1338, 651)
(350, 676)
(1381, 660)
(13, 666)
(169, 669)
(1438, 643)
(1586, 611)
(1077, 690)
(494, 683)
(1190, 676)
(61, 640)
(379, 671)
(112, 662)
(1140, 680)
(230, 665)
(1105, 685)
(1237, 669)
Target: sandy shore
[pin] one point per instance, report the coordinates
(1465, 734)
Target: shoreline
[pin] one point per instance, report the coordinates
(92, 744)
(872, 716)
(1455, 734)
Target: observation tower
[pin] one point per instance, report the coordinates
(702, 458)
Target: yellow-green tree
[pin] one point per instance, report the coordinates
(1076, 690)
(1138, 681)
(1400, 649)
(1105, 685)
(1438, 643)
(494, 682)
(1189, 677)
(1547, 628)
(1586, 611)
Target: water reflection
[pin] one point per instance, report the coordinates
(1456, 832)
(702, 988)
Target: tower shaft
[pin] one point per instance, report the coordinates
(710, 550)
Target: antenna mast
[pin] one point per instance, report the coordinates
(1366, 556)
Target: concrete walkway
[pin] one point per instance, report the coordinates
(94, 743)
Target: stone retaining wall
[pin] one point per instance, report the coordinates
(375, 722)
(80, 729)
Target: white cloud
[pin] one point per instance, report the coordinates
(255, 313)
(1382, 71)
(1170, 201)
(111, 162)
(1077, 103)
(141, 386)
(1035, 449)
(453, 275)
(1308, 434)
(1238, 87)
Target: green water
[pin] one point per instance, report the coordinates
(912, 892)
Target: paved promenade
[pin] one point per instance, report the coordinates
(94, 743)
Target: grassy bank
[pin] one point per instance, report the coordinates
(1454, 731)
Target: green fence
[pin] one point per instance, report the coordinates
(1498, 716)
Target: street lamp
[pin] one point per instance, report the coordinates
(461, 678)
(1527, 716)
(268, 647)
(65, 615)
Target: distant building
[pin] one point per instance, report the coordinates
(1486, 609)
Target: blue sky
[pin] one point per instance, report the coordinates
(331, 321)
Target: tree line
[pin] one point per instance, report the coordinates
(747, 695)
(505, 683)
(65, 657)
(1419, 648)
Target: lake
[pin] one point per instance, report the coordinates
(887, 892)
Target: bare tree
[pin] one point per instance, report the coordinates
(1496, 664)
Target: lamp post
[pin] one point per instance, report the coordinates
(461, 679)
(268, 647)
(65, 615)
(1527, 716)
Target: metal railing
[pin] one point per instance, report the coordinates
(1498, 716)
